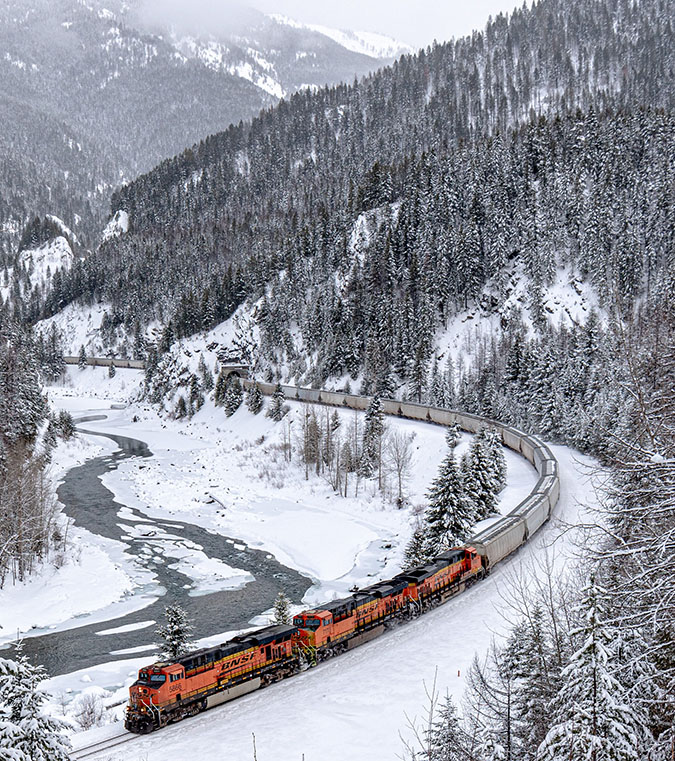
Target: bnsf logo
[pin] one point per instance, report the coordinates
(240, 661)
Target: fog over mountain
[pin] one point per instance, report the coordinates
(94, 93)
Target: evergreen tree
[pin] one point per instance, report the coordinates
(453, 436)
(591, 719)
(254, 399)
(282, 609)
(373, 430)
(176, 632)
(491, 443)
(111, 370)
(450, 514)
(419, 549)
(447, 739)
(234, 396)
(196, 398)
(479, 479)
(221, 388)
(26, 733)
(275, 410)
(206, 375)
(181, 409)
(82, 358)
(491, 749)
(66, 425)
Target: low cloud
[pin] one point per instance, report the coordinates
(194, 16)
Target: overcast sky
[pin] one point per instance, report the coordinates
(417, 22)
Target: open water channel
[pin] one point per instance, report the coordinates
(92, 506)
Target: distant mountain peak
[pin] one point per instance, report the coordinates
(366, 43)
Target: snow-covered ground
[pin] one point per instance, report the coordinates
(90, 579)
(230, 476)
(358, 703)
(366, 43)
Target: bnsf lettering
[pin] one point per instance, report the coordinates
(239, 661)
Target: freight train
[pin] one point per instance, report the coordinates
(166, 692)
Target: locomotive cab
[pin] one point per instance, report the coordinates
(315, 627)
(146, 695)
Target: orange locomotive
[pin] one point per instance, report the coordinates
(169, 691)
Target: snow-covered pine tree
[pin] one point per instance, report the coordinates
(176, 632)
(221, 388)
(452, 436)
(181, 409)
(416, 551)
(66, 425)
(196, 398)
(26, 733)
(479, 481)
(275, 410)
(254, 399)
(447, 739)
(207, 376)
(373, 430)
(233, 396)
(82, 358)
(490, 748)
(536, 674)
(450, 514)
(591, 718)
(111, 370)
(282, 609)
(492, 444)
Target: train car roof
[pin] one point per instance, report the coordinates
(385, 588)
(422, 572)
(451, 556)
(267, 634)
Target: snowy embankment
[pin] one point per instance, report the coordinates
(361, 700)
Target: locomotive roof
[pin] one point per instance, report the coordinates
(386, 587)
(267, 634)
(451, 556)
(422, 572)
(256, 638)
(333, 605)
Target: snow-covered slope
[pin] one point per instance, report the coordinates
(36, 266)
(41, 263)
(366, 43)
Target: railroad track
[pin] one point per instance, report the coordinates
(103, 745)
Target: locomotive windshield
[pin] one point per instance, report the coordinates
(307, 623)
(154, 680)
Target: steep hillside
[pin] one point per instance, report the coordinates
(89, 97)
(361, 219)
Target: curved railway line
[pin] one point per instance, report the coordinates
(494, 543)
